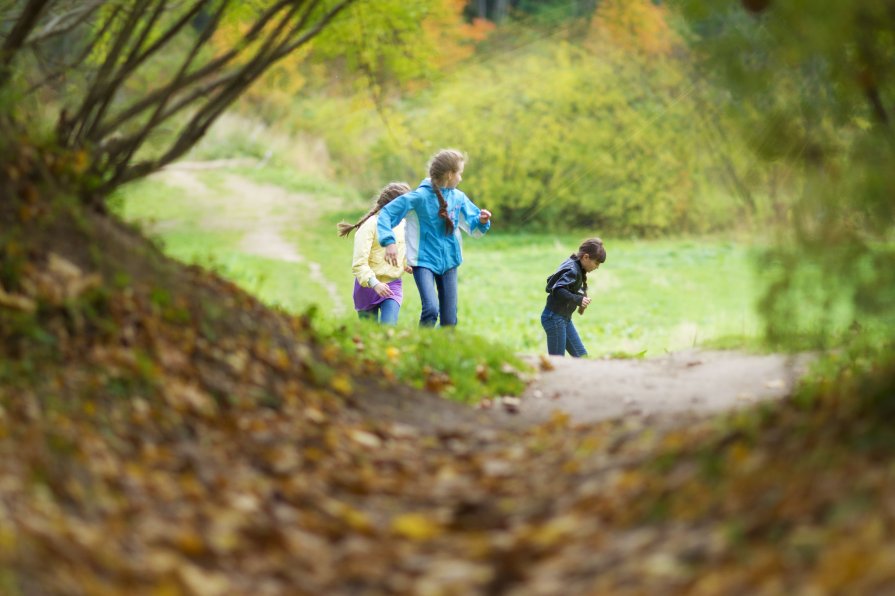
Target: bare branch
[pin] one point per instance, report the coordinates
(64, 23)
(230, 87)
(170, 33)
(99, 88)
(77, 61)
(25, 23)
(209, 69)
(66, 124)
(876, 104)
(159, 116)
(124, 71)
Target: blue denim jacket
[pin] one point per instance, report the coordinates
(428, 243)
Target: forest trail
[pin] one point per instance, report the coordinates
(675, 385)
(260, 212)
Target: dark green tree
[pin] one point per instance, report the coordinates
(813, 85)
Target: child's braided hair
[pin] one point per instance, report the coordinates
(443, 164)
(389, 193)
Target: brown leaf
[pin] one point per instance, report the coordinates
(17, 301)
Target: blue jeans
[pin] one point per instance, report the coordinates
(386, 312)
(442, 304)
(561, 335)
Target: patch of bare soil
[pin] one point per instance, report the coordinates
(262, 212)
(678, 384)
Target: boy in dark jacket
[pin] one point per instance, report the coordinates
(566, 292)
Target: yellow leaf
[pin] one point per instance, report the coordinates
(80, 161)
(416, 526)
(357, 519)
(341, 385)
(555, 531)
(392, 353)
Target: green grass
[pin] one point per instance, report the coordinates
(650, 297)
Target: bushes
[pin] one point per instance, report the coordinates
(562, 136)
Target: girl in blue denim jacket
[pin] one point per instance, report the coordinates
(435, 213)
(567, 292)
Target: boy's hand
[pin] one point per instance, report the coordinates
(484, 216)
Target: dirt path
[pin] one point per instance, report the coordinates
(682, 383)
(261, 212)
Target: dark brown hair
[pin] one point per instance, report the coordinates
(389, 193)
(592, 247)
(441, 166)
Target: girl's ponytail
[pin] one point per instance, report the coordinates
(389, 193)
(345, 228)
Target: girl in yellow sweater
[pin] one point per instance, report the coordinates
(377, 284)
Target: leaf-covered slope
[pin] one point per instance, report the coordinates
(161, 431)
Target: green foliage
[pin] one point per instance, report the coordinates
(382, 41)
(597, 142)
(812, 84)
(558, 134)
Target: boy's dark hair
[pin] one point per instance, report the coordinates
(592, 247)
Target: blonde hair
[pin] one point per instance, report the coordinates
(389, 193)
(444, 163)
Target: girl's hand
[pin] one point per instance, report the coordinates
(383, 290)
(391, 255)
(408, 269)
(484, 216)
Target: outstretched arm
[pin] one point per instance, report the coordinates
(474, 221)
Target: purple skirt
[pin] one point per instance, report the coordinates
(367, 298)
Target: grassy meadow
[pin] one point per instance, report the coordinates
(650, 297)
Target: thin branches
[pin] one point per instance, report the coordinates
(116, 42)
(24, 24)
(64, 23)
